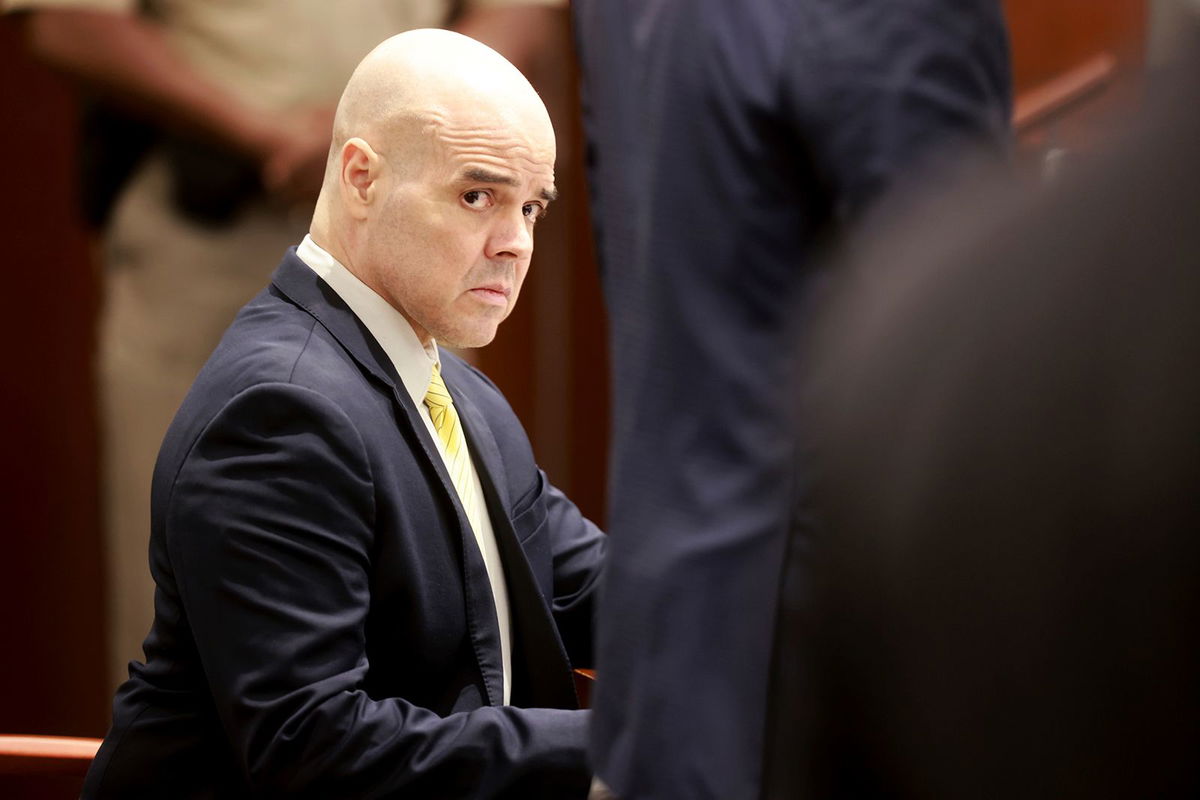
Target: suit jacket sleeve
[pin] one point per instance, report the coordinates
(578, 547)
(578, 557)
(269, 526)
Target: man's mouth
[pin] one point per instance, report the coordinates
(494, 293)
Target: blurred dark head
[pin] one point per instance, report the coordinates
(1004, 401)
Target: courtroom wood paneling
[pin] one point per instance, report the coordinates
(1050, 37)
(51, 600)
(1057, 39)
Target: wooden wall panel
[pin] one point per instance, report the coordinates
(1050, 37)
(1056, 41)
(51, 615)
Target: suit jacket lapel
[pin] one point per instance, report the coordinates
(305, 288)
(481, 608)
(541, 671)
(302, 286)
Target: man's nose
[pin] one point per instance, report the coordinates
(511, 238)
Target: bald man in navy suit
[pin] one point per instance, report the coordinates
(365, 585)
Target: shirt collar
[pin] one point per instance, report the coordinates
(413, 361)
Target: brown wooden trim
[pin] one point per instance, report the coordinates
(46, 755)
(583, 686)
(1060, 95)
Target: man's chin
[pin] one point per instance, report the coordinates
(467, 340)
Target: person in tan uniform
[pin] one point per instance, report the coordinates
(240, 98)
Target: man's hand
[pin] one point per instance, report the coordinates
(131, 60)
(293, 165)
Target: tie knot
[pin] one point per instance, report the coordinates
(437, 395)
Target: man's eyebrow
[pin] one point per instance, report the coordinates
(481, 175)
(487, 176)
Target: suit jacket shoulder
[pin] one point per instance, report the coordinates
(323, 623)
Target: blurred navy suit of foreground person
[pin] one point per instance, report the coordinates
(727, 141)
(341, 610)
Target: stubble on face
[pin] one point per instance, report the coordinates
(453, 271)
(392, 210)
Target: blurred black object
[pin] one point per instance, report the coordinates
(112, 144)
(210, 184)
(1004, 399)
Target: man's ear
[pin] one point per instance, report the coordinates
(361, 167)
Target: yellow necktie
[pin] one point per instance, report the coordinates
(458, 459)
(445, 422)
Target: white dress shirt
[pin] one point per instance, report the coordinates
(414, 364)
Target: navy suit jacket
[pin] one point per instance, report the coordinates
(727, 143)
(324, 625)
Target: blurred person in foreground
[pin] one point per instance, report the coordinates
(728, 144)
(365, 585)
(203, 148)
(1003, 394)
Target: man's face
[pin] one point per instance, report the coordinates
(450, 242)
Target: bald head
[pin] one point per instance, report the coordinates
(442, 159)
(432, 72)
(417, 84)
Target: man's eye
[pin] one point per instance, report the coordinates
(533, 210)
(477, 199)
